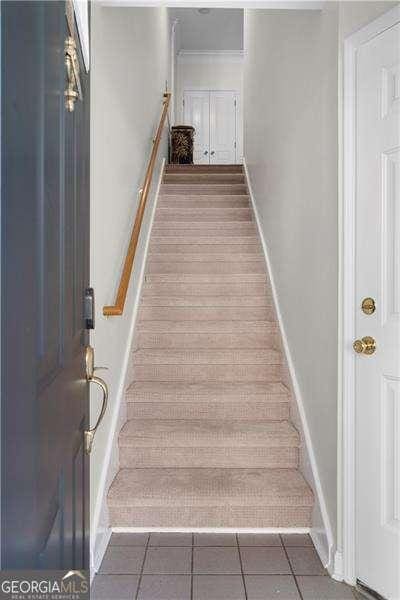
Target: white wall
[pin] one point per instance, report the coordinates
(210, 72)
(354, 15)
(293, 148)
(290, 146)
(130, 61)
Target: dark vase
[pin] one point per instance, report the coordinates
(182, 144)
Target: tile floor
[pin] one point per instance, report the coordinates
(201, 566)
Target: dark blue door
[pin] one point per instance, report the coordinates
(45, 272)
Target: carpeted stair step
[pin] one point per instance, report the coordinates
(195, 178)
(195, 248)
(203, 214)
(209, 410)
(199, 201)
(149, 391)
(204, 289)
(207, 301)
(176, 168)
(196, 238)
(200, 245)
(279, 457)
(208, 400)
(204, 228)
(171, 340)
(208, 257)
(198, 433)
(209, 267)
(226, 443)
(205, 189)
(205, 278)
(206, 313)
(155, 356)
(271, 372)
(206, 326)
(210, 497)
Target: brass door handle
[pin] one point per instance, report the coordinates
(74, 88)
(92, 378)
(90, 433)
(366, 345)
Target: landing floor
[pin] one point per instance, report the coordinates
(186, 566)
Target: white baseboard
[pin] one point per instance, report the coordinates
(101, 532)
(338, 572)
(323, 540)
(102, 541)
(319, 538)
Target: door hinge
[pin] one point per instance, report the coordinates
(234, 102)
(234, 145)
(183, 102)
(88, 308)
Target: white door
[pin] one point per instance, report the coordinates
(213, 115)
(222, 128)
(378, 277)
(197, 114)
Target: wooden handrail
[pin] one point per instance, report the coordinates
(118, 308)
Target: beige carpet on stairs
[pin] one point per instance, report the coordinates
(208, 441)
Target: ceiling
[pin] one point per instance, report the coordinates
(219, 29)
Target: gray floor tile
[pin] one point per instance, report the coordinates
(218, 587)
(122, 560)
(168, 561)
(164, 587)
(259, 539)
(324, 588)
(296, 539)
(207, 561)
(129, 539)
(118, 587)
(215, 539)
(264, 561)
(270, 587)
(305, 561)
(170, 539)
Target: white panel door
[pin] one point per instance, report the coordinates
(222, 128)
(378, 277)
(197, 114)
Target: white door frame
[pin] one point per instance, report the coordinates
(347, 302)
(173, 55)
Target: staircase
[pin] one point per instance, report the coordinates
(208, 441)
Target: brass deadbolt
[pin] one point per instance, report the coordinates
(368, 306)
(366, 345)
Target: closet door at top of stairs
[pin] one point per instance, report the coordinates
(197, 114)
(223, 127)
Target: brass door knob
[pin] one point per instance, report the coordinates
(366, 345)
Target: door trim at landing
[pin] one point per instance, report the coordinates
(346, 561)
